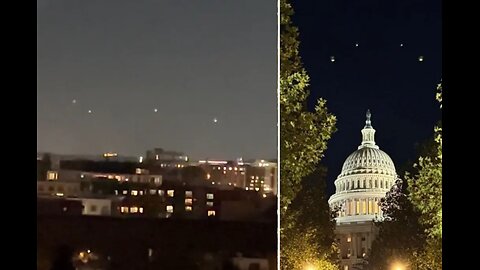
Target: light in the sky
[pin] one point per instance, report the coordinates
(401, 44)
(356, 44)
(215, 120)
(89, 111)
(74, 101)
(332, 59)
(155, 110)
(420, 58)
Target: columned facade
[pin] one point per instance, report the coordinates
(367, 174)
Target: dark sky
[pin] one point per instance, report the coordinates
(379, 74)
(193, 61)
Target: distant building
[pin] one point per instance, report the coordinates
(85, 170)
(54, 206)
(95, 206)
(166, 159)
(58, 189)
(262, 177)
(224, 172)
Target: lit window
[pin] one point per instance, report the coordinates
(138, 171)
(211, 213)
(51, 175)
(188, 201)
(125, 192)
(210, 196)
(169, 208)
(208, 176)
(157, 180)
(210, 204)
(224, 172)
(246, 188)
(253, 177)
(213, 183)
(170, 192)
(124, 209)
(140, 209)
(345, 267)
(219, 168)
(134, 193)
(229, 168)
(188, 208)
(160, 192)
(133, 209)
(153, 192)
(242, 173)
(264, 195)
(224, 168)
(256, 177)
(141, 192)
(236, 169)
(116, 192)
(156, 157)
(349, 239)
(188, 193)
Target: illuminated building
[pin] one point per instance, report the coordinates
(367, 174)
(166, 159)
(224, 172)
(262, 177)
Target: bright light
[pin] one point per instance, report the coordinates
(398, 266)
(332, 58)
(310, 267)
(140, 159)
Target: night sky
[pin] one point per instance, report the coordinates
(379, 74)
(127, 76)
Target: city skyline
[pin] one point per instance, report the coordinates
(124, 77)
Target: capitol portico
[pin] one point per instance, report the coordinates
(367, 174)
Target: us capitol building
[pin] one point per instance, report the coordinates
(367, 174)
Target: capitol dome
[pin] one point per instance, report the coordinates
(368, 160)
(366, 176)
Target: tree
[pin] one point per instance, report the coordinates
(310, 238)
(401, 235)
(426, 196)
(304, 135)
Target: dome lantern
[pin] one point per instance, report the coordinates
(368, 134)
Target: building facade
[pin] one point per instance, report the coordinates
(367, 175)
